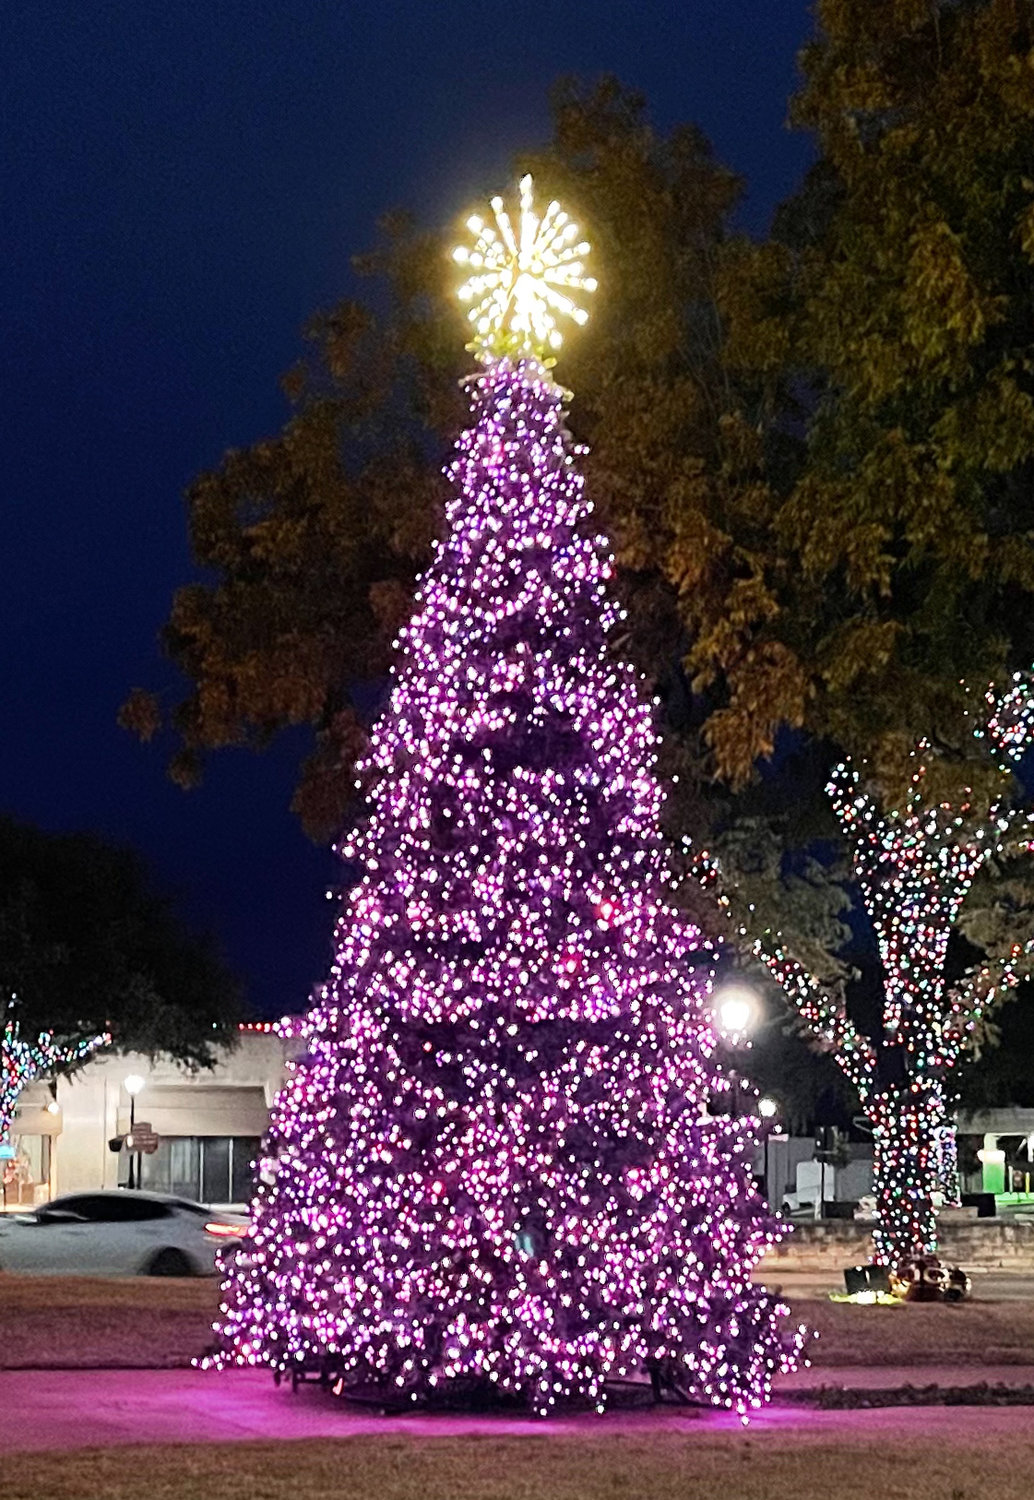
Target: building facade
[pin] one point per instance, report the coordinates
(208, 1125)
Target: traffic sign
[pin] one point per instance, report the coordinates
(142, 1138)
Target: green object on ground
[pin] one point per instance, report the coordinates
(993, 1177)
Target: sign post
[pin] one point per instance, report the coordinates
(141, 1140)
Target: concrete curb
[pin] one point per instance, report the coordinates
(896, 1377)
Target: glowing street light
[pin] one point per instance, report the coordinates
(768, 1109)
(133, 1083)
(736, 1009)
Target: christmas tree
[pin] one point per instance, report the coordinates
(494, 1169)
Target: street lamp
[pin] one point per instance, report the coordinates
(132, 1084)
(736, 1010)
(768, 1109)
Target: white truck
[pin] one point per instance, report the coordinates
(815, 1184)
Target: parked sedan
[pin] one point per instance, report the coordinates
(120, 1233)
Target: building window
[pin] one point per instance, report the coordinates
(208, 1168)
(26, 1174)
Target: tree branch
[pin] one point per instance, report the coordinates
(823, 1013)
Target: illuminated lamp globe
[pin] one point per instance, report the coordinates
(768, 1109)
(133, 1083)
(736, 1008)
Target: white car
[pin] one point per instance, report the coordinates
(119, 1233)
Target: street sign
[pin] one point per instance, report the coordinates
(142, 1138)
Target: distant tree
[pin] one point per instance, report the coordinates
(1000, 1073)
(925, 871)
(310, 541)
(91, 954)
(814, 456)
(811, 464)
(896, 298)
(895, 302)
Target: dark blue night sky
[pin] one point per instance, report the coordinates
(183, 184)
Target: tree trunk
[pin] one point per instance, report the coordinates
(12, 1082)
(907, 1125)
(10, 1092)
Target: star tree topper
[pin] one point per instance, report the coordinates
(521, 278)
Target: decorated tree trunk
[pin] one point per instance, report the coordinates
(494, 1170)
(22, 1062)
(906, 1173)
(914, 867)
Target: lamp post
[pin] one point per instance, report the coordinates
(736, 1008)
(132, 1084)
(768, 1109)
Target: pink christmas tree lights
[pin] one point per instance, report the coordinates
(493, 1170)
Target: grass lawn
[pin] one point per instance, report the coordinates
(69, 1322)
(971, 1333)
(82, 1321)
(765, 1466)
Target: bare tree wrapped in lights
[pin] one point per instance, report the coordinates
(494, 1170)
(914, 867)
(23, 1062)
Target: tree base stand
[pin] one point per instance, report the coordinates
(483, 1397)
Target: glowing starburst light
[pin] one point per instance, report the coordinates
(521, 278)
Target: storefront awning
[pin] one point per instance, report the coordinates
(200, 1109)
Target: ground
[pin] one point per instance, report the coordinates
(851, 1456)
(79, 1322)
(171, 1433)
(67, 1322)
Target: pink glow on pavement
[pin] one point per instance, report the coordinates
(64, 1410)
